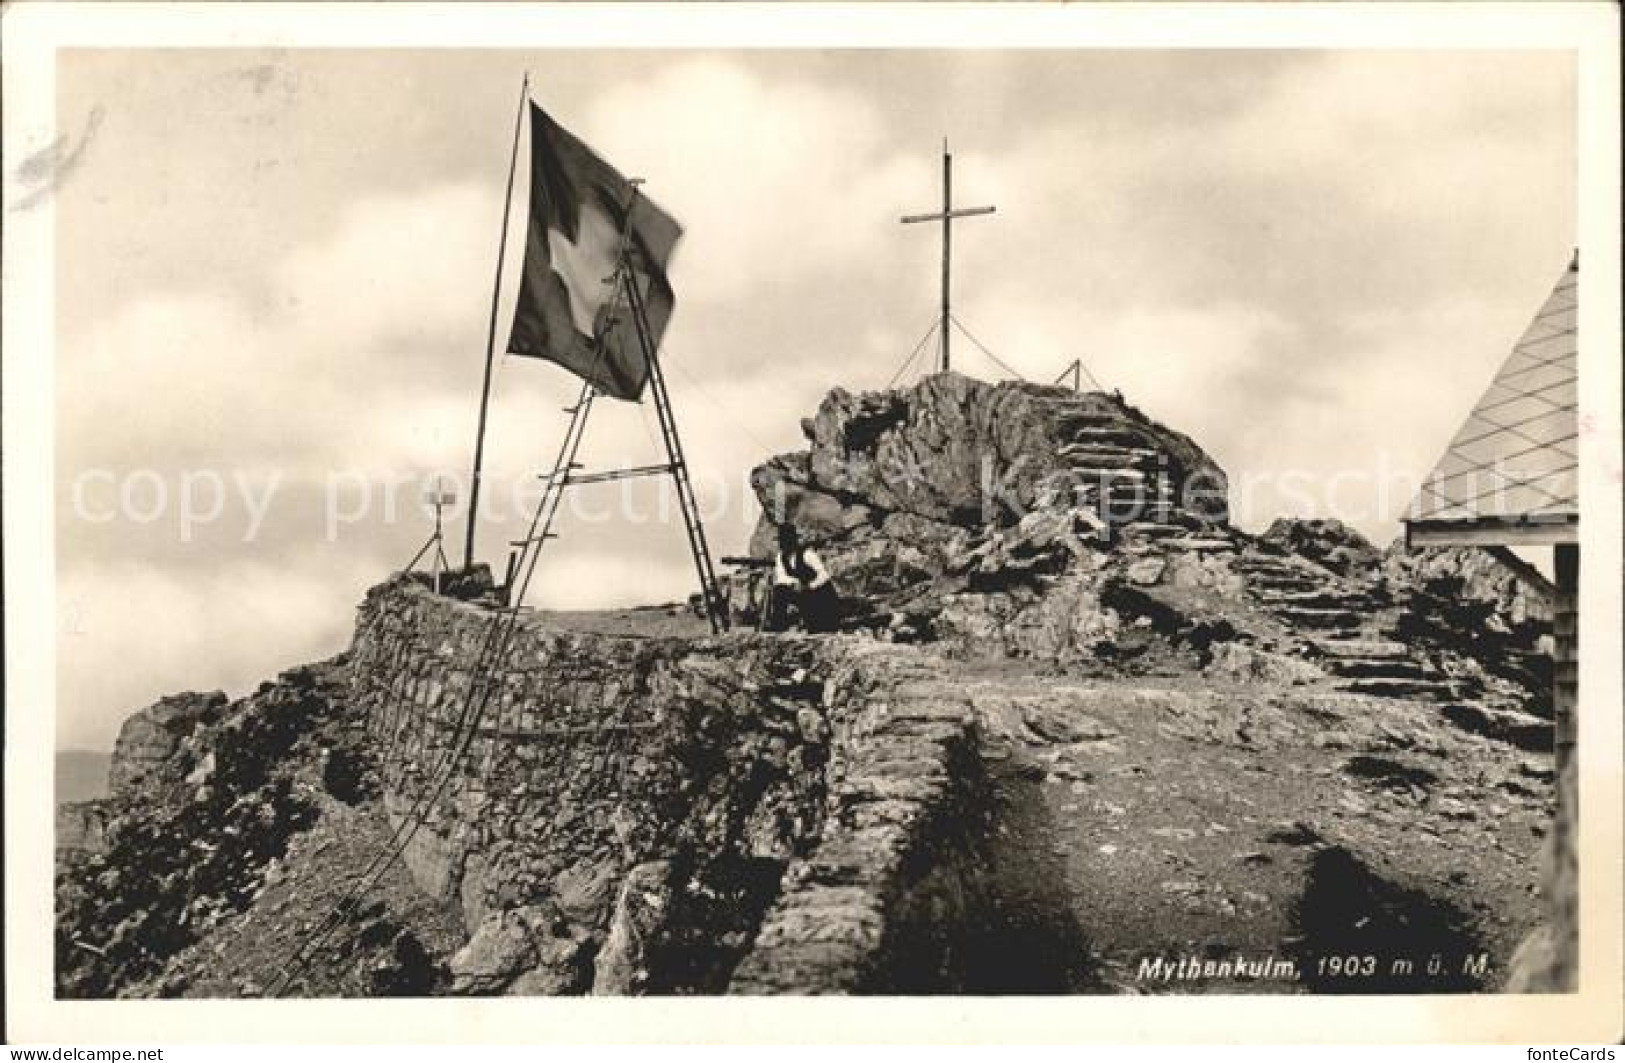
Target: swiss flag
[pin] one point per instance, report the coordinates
(570, 310)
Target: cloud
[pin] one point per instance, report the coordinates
(131, 633)
(398, 271)
(775, 181)
(348, 373)
(1296, 280)
(1309, 263)
(357, 332)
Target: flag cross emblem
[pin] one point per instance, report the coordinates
(584, 217)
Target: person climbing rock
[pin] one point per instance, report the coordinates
(801, 582)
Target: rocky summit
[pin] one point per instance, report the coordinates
(1078, 733)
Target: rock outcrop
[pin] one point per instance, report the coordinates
(1075, 724)
(149, 739)
(81, 826)
(1329, 543)
(893, 485)
(1030, 523)
(1519, 600)
(187, 838)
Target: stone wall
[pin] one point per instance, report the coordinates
(641, 815)
(880, 896)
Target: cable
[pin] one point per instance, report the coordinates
(378, 865)
(983, 348)
(1084, 369)
(495, 645)
(713, 400)
(915, 353)
(643, 419)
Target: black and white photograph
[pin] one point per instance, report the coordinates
(1003, 517)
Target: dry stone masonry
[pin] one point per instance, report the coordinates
(629, 809)
(1074, 718)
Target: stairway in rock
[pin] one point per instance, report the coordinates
(1343, 625)
(1340, 622)
(1180, 532)
(1118, 471)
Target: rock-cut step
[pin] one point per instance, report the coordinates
(1518, 729)
(1150, 529)
(1130, 502)
(1302, 616)
(1378, 668)
(1264, 574)
(1305, 598)
(1265, 568)
(1112, 457)
(1369, 649)
(1402, 689)
(1099, 435)
(1282, 582)
(1197, 544)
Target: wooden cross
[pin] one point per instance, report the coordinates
(946, 216)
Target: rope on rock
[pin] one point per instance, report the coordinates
(718, 403)
(492, 650)
(983, 348)
(915, 353)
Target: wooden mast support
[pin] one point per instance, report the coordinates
(1562, 858)
(565, 472)
(1565, 651)
(491, 332)
(946, 216)
(716, 607)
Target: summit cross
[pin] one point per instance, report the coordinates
(946, 216)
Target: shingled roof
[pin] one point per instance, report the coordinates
(1515, 462)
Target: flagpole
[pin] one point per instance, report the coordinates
(491, 333)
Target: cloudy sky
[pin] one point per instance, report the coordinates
(274, 270)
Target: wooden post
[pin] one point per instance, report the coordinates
(491, 333)
(947, 216)
(716, 609)
(1565, 652)
(1560, 875)
(439, 533)
(947, 244)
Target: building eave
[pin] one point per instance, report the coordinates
(1533, 530)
